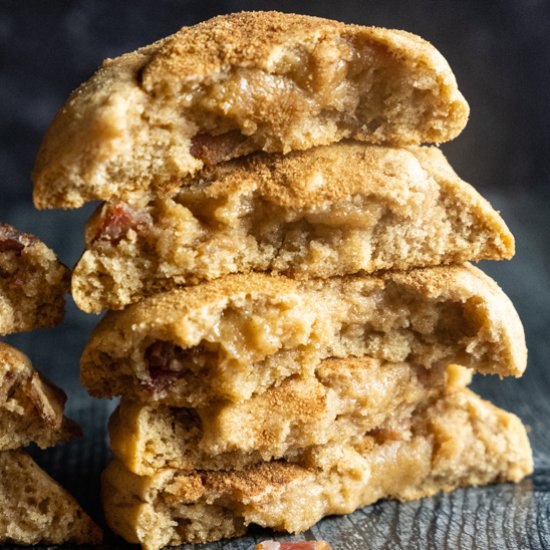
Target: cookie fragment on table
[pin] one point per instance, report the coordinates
(33, 283)
(35, 509)
(31, 407)
(459, 441)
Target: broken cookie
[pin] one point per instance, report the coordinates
(33, 283)
(31, 407)
(342, 209)
(236, 84)
(344, 399)
(35, 509)
(242, 334)
(459, 441)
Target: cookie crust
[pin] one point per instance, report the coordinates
(460, 441)
(341, 209)
(251, 81)
(237, 336)
(31, 407)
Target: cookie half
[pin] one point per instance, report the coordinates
(334, 210)
(238, 336)
(460, 441)
(33, 283)
(239, 83)
(346, 398)
(31, 407)
(35, 509)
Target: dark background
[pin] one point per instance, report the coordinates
(500, 53)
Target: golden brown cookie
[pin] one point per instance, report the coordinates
(460, 441)
(35, 509)
(33, 283)
(345, 399)
(31, 407)
(334, 210)
(239, 335)
(262, 81)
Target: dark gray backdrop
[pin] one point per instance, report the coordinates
(500, 52)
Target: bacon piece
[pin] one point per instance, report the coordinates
(11, 239)
(47, 399)
(213, 149)
(381, 435)
(118, 220)
(159, 356)
(17, 280)
(308, 545)
(167, 362)
(11, 244)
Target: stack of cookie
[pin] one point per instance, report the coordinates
(34, 508)
(297, 325)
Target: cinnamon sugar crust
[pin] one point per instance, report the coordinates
(239, 83)
(335, 210)
(460, 441)
(234, 337)
(33, 283)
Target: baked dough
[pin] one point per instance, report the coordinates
(345, 398)
(31, 407)
(236, 84)
(334, 210)
(35, 509)
(33, 283)
(460, 441)
(239, 335)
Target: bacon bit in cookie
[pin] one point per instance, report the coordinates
(47, 399)
(381, 435)
(167, 362)
(118, 220)
(213, 149)
(11, 244)
(17, 281)
(8, 387)
(11, 239)
(309, 545)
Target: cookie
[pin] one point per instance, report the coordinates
(33, 283)
(346, 398)
(334, 210)
(460, 441)
(35, 509)
(31, 407)
(234, 337)
(236, 84)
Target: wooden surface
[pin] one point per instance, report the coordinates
(501, 57)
